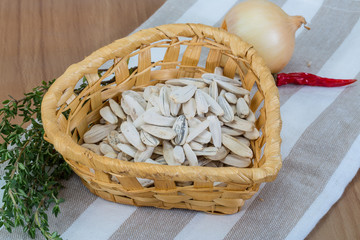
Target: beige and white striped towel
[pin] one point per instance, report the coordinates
(320, 149)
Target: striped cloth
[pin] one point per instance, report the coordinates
(320, 150)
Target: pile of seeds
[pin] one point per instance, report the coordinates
(189, 121)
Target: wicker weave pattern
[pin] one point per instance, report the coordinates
(115, 180)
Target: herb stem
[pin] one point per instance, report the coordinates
(17, 160)
(12, 198)
(30, 188)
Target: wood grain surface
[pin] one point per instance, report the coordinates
(343, 219)
(41, 38)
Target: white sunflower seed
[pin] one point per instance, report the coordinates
(108, 115)
(194, 132)
(127, 149)
(219, 71)
(220, 78)
(183, 94)
(220, 154)
(169, 153)
(204, 137)
(232, 88)
(164, 104)
(132, 135)
(149, 160)
(189, 108)
(161, 160)
(116, 108)
(186, 81)
(228, 112)
(233, 107)
(244, 140)
(154, 100)
(231, 98)
(204, 161)
(148, 106)
(207, 78)
(181, 129)
(231, 131)
(139, 121)
(154, 118)
(201, 104)
(150, 90)
(196, 146)
(159, 150)
(193, 122)
(137, 96)
(160, 132)
(159, 85)
(129, 119)
(147, 93)
(98, 132)
(213, 90)
(120, 156)
(215, 130)
(237, 161)
(141, 156)
(222, 93)
(241, 124)
(111, 155)
(113, 139)
(253, 135)
(208, 151)
(213, 105)
(125, 107)
(236, 146)
(205, 90)
(251, 117)
(148, 139)
(179, 155)
(174, 108)
(190, 155)
(123, 139)
(135, 108)
(234, 81)
(242, 108)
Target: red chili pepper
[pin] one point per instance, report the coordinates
(302, 78)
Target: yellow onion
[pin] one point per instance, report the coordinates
(267, 27)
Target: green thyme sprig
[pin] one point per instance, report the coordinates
(33, 168)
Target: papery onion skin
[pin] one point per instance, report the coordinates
(267, 27)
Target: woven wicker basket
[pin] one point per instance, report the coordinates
(115, 180)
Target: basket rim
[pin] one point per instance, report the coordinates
(66, 146)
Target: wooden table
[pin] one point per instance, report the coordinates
(40, 39)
